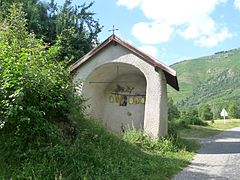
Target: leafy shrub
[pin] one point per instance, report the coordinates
(233, 110)
(34, 89)
(173, 112)
(205, 112)
(190, 116)
(175, 126)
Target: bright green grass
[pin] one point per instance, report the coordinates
(99, 154)
(198, 132)
(230, 123)
(213, 129)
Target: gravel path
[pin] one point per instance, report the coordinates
(218, 158)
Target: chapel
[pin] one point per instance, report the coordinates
(124, 87)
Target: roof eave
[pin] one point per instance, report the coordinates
(90, 54)
(170, 74)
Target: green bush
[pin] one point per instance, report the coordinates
(34, 89)
(233, 110)
(173, 112)
(190, 116)
(36, 99)
(205, 112)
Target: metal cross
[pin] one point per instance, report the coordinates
(113, 29)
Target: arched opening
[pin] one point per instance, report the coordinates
(116, 94)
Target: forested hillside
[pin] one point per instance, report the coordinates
(213, 80)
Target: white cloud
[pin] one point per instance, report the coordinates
(237, 4)
(213, 40)
(178, 12)
(129, 3)
(203, 26)
(151, 50)
(152, 33)
(187, 18)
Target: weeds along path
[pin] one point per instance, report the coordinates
(218, 158)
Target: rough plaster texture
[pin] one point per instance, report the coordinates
(102, 68)
(132, 115)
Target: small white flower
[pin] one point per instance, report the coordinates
(2, 124)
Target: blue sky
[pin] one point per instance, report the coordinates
(171, 30)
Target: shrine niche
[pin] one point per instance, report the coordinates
(124, 87)
(116, 94)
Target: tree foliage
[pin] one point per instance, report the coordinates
(190, 116)
(34, 89)
(173, 112)
(233, 110)
(72, 27)
(205, 112)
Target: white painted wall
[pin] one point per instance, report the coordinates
(131, 115)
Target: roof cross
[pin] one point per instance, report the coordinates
(113, 30)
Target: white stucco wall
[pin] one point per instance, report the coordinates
(155, 114)
(130, 116)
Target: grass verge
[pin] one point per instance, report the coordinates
(99, 154)
(230, 123)
(205, 131)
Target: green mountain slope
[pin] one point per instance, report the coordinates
(212, 79)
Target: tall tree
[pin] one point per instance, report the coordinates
(190, 116)
(52, 18)
(216, 109)
(233, 110)
(205, 112)
(77, 30)
(173, 112)
(72, 27)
